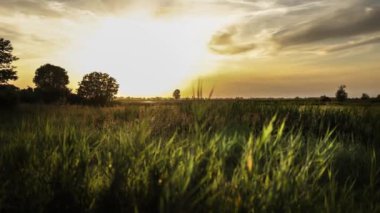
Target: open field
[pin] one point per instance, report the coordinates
(191, 156)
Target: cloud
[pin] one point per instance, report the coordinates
(299, 25)
(223, 43)
(61, 8)
(342, 24)
(260, 25)
(335, 48)
(8, 31)
(32, 7)
(255, 28)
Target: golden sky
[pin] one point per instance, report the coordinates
(244, 48)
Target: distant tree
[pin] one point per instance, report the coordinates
(325, 99)
(98, 88)
(7, 72)
(341, 94)
(51, 82)
(177, 94)
(365, 97)
(50, 76)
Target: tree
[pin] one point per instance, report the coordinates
(50, 76)
(7, 72)
(365, 97)
(98, 88)
(341, 94)
(51, 82)
(177, 94)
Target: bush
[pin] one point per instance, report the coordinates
(29, 96)
(75, 99)
(52, 95)
(325, 99)
(8, 96)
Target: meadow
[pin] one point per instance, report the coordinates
(191, 156)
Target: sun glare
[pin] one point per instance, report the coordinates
(149, 56)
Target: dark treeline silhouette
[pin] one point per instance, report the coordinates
(341, 96)
(325, 99)
(51, 84)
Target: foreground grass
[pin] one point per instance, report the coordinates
(190, 157)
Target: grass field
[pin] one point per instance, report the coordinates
(191, 156)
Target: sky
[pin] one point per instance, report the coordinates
(241, 48)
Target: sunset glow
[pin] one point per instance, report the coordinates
(149, 56)
(243, 48)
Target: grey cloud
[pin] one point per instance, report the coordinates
(349, 45)
(302, 25)
(342, 24)
(265, 20)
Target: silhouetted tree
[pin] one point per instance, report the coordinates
(98, 88)
(341, 94)
(8, 93)
(7, 72)
(365, 97)
(51, 82)
(177, 94)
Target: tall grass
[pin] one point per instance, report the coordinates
(190, 157)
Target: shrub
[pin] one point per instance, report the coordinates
(28, 95)
(8, 96)
(325, 99)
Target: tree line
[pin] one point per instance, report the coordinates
(96, 88)
(51, 82)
